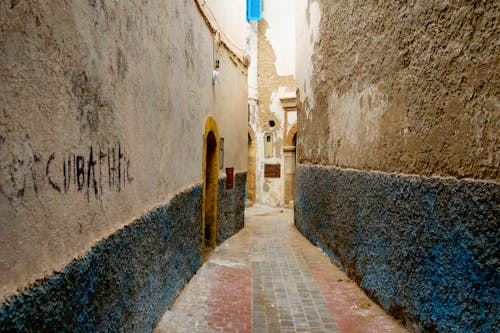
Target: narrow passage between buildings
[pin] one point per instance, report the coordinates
(270, 278)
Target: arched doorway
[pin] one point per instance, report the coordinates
(289, 152)
(210, 185)
(251, 166)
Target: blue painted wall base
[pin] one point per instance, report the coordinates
(231, 207)
(426, 249)
(128, 279)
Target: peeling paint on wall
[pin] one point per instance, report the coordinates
(268, 117)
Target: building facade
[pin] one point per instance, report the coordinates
(118, 121)
(272, 105)
(399, 153)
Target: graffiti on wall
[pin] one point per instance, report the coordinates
(97, 170)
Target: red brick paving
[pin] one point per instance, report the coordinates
(230, 302)
(269, 278)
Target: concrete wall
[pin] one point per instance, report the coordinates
(276, 67)
(102, 119)
(399, 113)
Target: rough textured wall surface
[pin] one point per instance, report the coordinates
(230, 207)
(272, 87)
(102, 114)
(123, 283)
(407, 87)
(411, 90)
(427, 249)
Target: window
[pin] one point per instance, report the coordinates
(254, 10)
(268, 145)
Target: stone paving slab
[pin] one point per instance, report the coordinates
(269, 278)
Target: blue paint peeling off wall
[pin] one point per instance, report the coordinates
(427, 249)
(123, 283)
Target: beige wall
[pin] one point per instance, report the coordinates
(231, 17)
(231, 112)
(275, 54)
(411, 89)
(129, 76)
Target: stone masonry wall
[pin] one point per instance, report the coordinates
(272, 86)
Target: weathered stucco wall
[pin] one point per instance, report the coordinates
(426, 249)
(231, 207)
(123, 283)
(398, 142)
(102, 119)
(409, 88)
(276, 67)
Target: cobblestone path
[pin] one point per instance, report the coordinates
(269, 278)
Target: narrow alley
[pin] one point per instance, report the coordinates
(270, 278)
(249, 166)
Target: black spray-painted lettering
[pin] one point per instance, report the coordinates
(91, 182)
(47, 172)
(80, 172)
(85, 172)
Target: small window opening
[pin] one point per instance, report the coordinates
(272, 123)
(268, 146)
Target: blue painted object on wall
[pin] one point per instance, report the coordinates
(427, 249)
(254, 10)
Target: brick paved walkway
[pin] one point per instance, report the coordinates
(269, 278)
